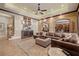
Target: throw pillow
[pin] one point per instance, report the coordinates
(73, 39)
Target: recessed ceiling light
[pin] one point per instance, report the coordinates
(62, 5)
(51, 18)
(25, 8)
(44, 20)
(61, 16)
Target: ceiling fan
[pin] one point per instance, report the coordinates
(39, 11)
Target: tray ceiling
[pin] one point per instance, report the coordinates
(29, 9)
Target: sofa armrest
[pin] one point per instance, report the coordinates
(66, 45)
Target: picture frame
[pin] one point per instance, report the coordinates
(45, 27)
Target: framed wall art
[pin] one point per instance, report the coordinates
(45, 26)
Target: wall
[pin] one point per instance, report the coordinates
(51, 25)
(17, 27)
(34, 26)
(4, 21)
(71, 16)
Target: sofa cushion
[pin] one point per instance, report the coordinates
(67, 37)
(49, 34)
(56, 34)
(39, 33)
(62, 35)
(44, 33)
(72, 38)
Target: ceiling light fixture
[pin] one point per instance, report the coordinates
(25, 8)
(39, 11)
(51, 18)
(62, 5)
(60, 16)
(44, 20)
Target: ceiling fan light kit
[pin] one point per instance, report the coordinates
(39, 11)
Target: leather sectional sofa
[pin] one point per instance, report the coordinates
(66, 41)
(72, 48)
(70, 44)
(48, 35)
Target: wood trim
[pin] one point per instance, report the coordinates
(11, 12)
(16, 13)
(77, 7)
(42, 18)
(60, 14)
(63, 13)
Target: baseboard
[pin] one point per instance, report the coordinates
(15, 37)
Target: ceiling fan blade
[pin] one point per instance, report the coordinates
(38, 6)
(41, 13)
(43, 10)
(38, 3)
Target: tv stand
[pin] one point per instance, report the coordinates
(26, 33)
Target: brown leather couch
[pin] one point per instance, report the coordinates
(58, 40)
(49, 35)
(39, 35)
(55, 35)
(72, 48)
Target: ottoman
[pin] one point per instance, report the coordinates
(43, 42)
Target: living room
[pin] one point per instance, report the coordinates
(39, 29)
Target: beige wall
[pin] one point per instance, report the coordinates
(10, 25)
(18, 26)
(3, 33)
(71, 16)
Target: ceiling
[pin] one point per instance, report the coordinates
(3, 14)
(29, 9)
